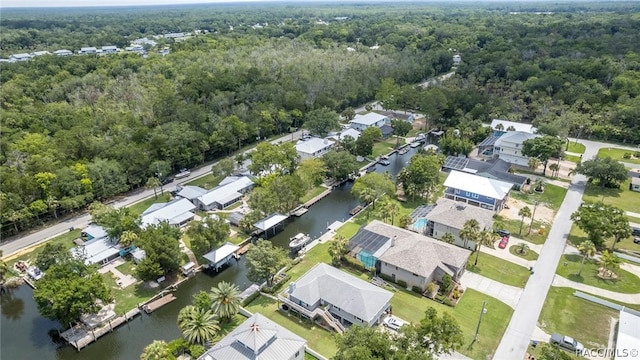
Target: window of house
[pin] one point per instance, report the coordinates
(475, 196)
(297, 353)
(468, 193)
(415, 274)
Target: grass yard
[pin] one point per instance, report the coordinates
(129, 297)
(128, 268)
(317, 338)
(633, 219)
(349, 229)
(385, 146)
(576, 236)
(500, 270)
(206, 182)
(411, 307)
(623, 198)
(318, 254)
(529, 255)
(312, 193)
(566, 314)
(513, 226)
(617, 154)
(572, 158)
(141, 206)
(65, 239)
(626, 283)
(553, 196)
(576, 148)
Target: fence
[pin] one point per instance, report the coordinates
(606, 303)
(628, 257)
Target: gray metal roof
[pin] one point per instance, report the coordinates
(417, 253)
(493, 169)
(454, 214)
(191, 192)
(347, 292)
(257, 338)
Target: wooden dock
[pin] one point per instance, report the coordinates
(299, 211)
(156, 304)
(317, 198)
(80, 337)
(242, 250)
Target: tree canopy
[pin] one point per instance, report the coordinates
(543, 148)
(599, 221)
(264, 260)
(606, 171)
(421, 177)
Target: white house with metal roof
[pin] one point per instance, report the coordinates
(515, 126)
(98, 249)
(19, 57)
(63, 52)
(88, 50)
(628, 339)
(355, 134)
(224, 195)
(417, 259)
(314, 147)
(346, 298)
(189, 192)
(477, 190)
(508, 147)
(176, 212)
(110, 49)
(361, 122)
(258, 338)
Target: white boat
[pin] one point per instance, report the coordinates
(415, 144)
(35, 273)
(403, 151)
(299, 241)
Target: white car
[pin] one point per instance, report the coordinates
(183, 174)
(392, 323)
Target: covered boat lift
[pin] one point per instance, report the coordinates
(271, 222)
(222, 255)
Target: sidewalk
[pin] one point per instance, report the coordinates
(559, 281)
(634, 214)
(508, 294)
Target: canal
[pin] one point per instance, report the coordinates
(24, 334)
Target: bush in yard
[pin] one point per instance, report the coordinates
(416, 289)
(386, 278)
(447, 283)
(196, 351)
(626, 155)
(448, 302)
(353, 263)
(402, 283)
(250, 298)
(178, 347)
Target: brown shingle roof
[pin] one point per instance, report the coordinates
(455, 214)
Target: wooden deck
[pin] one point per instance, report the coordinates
(80, 337)
(242, 250)
(300, 211)
(317, 198)
(156, 304)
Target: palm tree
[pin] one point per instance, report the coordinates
(226, 300)
(500, 127)
(338, 247)
(621, 230)
(533, 163)
(538, 185)
(587, 249)
(555, 168)
(610, 262)
(485, 237)
(157, 350)
(391, 209)
(198, 326)
(153, 183)
(522, 248)
(448, 238)
(525, 212)
(128, 238)
(470, 231)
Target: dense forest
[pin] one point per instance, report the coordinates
(83, 128)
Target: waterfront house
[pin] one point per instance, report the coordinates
(404, 116)
(258, 338)
(176, 212)
(355, 134)
(314, 147)
(508, 147)
(88, 50)
(493, 169)
(449, 216)
(337, 296)
(19, 57)
(477, 190)
(416, 259)
(386, 131)
(229, 192)
(99, 248)
(361, 122)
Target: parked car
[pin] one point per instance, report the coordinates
(636, 240)
(392, 323)
(167, 180)
(635, 231)
(566, 342)
(503, 233)
(183, 174)
(503, 242)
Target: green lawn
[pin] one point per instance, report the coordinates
(127, 268)
(623, 198)
(566, 314)
(318, 254)
(500, 270)
(65, 239)
(206, 182)
(349, 229)
(529, 255)
(513, 226)
(576, 148)
(141, 206)
(626, 283)
(312, 193)
(553, 196)
(411, 307)
(576, 236)
(385, 146)
(617, 154)
(572, 158)
(633, 219)
(318, 339)
(129, 297)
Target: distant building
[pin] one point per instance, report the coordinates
(361, 122)
(88, 51)
(457, 60)
(19, 57)
(314, 147)
(63, 52)
(176, 213)
(224, 195)
(40, 53)
(477, 190)
(110, 49)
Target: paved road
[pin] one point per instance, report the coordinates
(15, 246)
(518, 335)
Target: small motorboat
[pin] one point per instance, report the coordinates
(415, 144)
(299, 241)
(403, 151)
(384, 162)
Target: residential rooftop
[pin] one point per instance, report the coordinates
(491, 188)
(368, 119)
(454, 214)
(516, 125)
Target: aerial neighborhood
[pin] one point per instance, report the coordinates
(291, 182)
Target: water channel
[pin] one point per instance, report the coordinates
(24, 334)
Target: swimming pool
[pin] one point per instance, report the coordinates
(420, 225)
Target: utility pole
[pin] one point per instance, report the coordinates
(533, 215)
(159, 176)
(482, 312)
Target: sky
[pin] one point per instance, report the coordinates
(86, 3)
